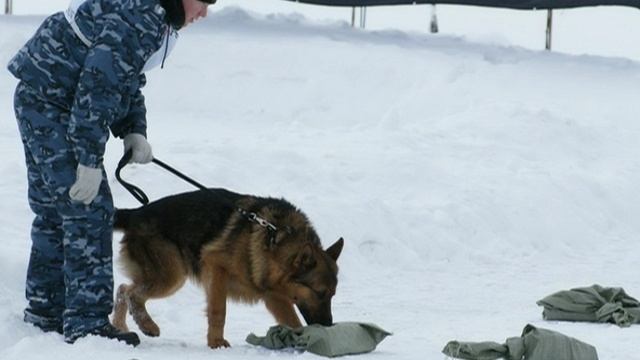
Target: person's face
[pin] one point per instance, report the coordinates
(194, 10)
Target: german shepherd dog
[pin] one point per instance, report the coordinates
(235, 246)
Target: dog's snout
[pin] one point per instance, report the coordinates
(321, 316)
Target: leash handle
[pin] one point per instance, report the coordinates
(135, 191)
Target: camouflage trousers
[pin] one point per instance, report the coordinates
(69, 285)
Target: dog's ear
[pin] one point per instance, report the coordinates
(334, 250)
(304, 260)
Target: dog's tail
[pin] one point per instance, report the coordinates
(122, 219)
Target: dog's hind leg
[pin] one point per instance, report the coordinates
(137, 298)
(119, 319)
(161, 285)
(157, 270)
(129, 298)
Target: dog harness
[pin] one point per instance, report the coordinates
(169, 38)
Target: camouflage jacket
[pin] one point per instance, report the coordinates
(99, 84)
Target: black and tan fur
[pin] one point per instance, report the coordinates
(201, 235)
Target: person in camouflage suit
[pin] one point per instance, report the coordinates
(80, 76)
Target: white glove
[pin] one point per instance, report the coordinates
(141, 148)
(87, 184)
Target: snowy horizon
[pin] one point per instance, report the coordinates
(600, 30)
(469, 179)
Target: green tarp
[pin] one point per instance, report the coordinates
(594, 304)
(346, 338)
(534, 344)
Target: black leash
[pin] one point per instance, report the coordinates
(137, 193)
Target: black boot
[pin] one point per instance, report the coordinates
(47, 329)
(110, 332)
(43, 321)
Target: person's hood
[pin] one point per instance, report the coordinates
(175, 12)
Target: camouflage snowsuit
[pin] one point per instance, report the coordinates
(72, 91)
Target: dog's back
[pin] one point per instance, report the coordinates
(185, 221)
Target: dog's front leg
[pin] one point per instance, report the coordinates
(217, 308)
(282, 309)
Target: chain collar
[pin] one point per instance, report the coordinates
(272, 230)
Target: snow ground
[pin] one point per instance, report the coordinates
(468, 179)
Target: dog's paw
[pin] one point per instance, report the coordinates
(150, 329)
(218, 343)
(120, 325)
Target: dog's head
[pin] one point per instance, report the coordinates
(314, 280)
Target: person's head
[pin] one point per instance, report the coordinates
(195, 9)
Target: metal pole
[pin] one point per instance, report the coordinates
(353, 16)
(549, 28)
(363, 17)
(8, 7)
(434, 20)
